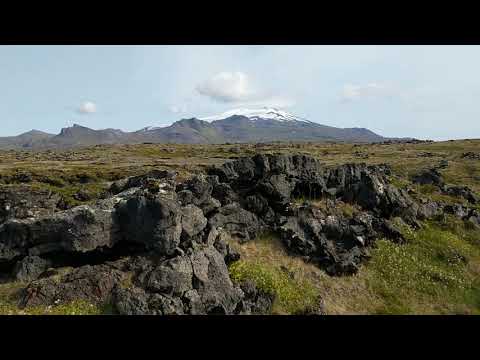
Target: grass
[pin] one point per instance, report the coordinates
(9, 299)
(274, 273)
(436, 272)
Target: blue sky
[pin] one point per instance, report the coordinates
(420, 91)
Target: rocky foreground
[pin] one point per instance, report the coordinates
(159, 246)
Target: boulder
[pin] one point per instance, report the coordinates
(237, 221)
(23, 201)
(463, 192)
(30, 268)
(93, 284)
(427, 177)
(193, 221)
(153, 221)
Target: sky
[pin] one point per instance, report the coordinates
(427, 92)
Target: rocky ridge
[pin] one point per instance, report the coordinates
(156, 246)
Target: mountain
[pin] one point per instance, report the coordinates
(25, 140)
(239, 125)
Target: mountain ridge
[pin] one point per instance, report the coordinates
(239, 126)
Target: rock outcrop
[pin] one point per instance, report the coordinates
(176, 233)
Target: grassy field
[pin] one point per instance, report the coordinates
(436, 272)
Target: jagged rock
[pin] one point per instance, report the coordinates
(429, 210)
(89, 283)
(82, 195)
(200, 188)
(471, 155)
(197, 283)
(193, 221)
(131, 301)
(173, 277)
(278, 178)
(222, 192)
(181, 231)
(23, 201)
(430, 176)
(80, 229)
(30, 268)
(334, 243)
(230, 255)
(212, 282)
(457, 210)
(165, 177)
(256, 301)
(154, 221)
(237, 221)
(474, 218)
(463, 192)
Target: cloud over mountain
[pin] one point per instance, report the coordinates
(87, 107)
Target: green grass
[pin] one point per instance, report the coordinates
(291, 296)
(435, 272)
(265, 262)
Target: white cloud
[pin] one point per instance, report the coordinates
(227, 87)
(87, 107)
(352, 92)
(238, 88)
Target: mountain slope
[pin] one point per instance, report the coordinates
(25, 140)
(240, 125)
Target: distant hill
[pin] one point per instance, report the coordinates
(25, 140)
(240, 125)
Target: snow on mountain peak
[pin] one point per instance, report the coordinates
(255, 114)
(151, 128)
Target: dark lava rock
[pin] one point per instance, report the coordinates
(23, 201)
(176, 234)
(82, 195)
(194, 283)
(474, 218)
(30, 268)
(77, 230)
(256, 300)
(463, 192)
(153, 221)
(430, 176)
(267, 185)
(89, 283)
(165, 177)
(471, 155)
(80, 229)
(457, 210)
(334, 243)
(237, 222)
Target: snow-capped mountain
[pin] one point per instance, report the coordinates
(234, 126)
(257, 114)
(150, 128)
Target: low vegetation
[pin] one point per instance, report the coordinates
(436, 272)
(9, 300)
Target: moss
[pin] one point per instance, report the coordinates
(291, 296)
(432, 268)
(399, 182)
